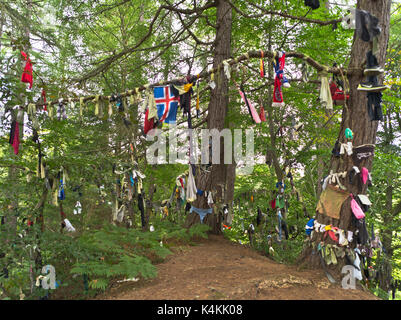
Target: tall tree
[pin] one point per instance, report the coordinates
(354, 117)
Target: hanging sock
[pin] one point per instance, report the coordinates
(197, 99)
(251, 109)
(27, 73)
(14, 136)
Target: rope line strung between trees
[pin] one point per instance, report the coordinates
(203, 75)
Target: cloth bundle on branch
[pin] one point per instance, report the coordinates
(279, 79)
(27, 76)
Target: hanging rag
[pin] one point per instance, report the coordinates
(366, 25)
(68, 226)
(362, 152)
(141, 209)
(251, 109)
(191, 186)
(337, 94)
(374, 106)
(279, 219)
(27, 73)
(197, 99)
(314, 4)
(43, 97)
(346, 147)
(356, 209)
(61, 113)
(262, 65)
(227, 69)
(61, 192)
(14, 136)
(201, 212)
(333, 178)
(365, 175)
(78, 208)
(309, 226)
(278, 64)
(148, 124)
(262, 115)
(354, 171)
(325, 93)
(331, 201)
(348, 22)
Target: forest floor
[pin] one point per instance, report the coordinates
(216, 268)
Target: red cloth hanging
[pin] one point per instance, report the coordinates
(14, 136)
(336, 93)
(262, 115)
(44, 99)
(149, 124)
(27, 73)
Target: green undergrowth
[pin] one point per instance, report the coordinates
(87, 264)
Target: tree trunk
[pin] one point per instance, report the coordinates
(218, 105)
(356, 118)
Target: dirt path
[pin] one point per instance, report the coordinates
(219, 269)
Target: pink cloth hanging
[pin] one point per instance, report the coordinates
(251, 108)
(356, 209)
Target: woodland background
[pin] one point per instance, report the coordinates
(82, 48)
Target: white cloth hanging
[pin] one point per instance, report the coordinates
(191, 186)
(68, 226)
(78, 208)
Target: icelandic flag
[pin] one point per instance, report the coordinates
(166, 104)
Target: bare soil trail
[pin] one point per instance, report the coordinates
(216, 268)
